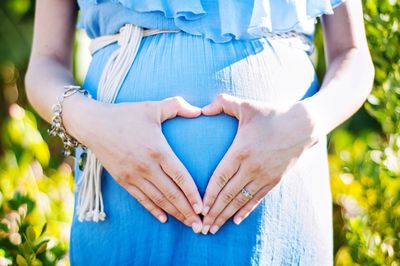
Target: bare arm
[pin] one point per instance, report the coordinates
(50, 62)
(350, 73)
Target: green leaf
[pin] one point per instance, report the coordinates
(21, 261)
(42, 248)
(37, 262)
(26, 248)
(43, 229)
(30, 233)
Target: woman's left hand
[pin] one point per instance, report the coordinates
(268, 142)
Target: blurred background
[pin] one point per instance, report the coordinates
(36, 198)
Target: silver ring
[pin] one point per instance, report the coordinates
(247, 193)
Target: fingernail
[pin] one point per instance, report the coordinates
(162, 218)
(196, 227)
(214, 229)
(197, 208)
(205, 210)
(205, 229)
(237, 220)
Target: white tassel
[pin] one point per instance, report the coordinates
(90, 206)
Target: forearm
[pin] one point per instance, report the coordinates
(346, 86)
(45, 81)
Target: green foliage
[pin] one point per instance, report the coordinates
(382, 24)
(365, 167)
(365, 170)
(36, 197)
(35, 209)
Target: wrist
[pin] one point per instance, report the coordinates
(316, 115)
(78, 115)
(303, 117)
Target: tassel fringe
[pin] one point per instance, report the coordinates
(90, 206)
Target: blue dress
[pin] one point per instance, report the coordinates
(221, 49)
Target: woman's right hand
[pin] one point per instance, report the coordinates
(127, 140)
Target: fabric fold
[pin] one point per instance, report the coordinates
(218, 20)
(171, 9)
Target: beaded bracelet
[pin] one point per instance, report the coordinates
(57, 127)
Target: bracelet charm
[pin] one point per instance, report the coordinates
(57, 127)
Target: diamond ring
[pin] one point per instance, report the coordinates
(247, 193)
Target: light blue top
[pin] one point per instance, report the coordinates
(218, 20)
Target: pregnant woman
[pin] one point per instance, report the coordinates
(204, 141)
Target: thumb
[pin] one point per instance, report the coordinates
(223, 103)
(177, 106)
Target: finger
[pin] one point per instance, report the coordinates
(177, 106)
(147, 203)
(251, 205)
(174, 195)
(159, 200)
(238, 202)
(227, 194)
(223, 103)
(174, 168)
(225, 170)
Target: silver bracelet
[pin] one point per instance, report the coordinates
(57, 127)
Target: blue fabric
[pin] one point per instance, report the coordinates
(293, 223)
(218, 20)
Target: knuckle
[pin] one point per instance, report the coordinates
(239, 202)
(246, 209)
(173, 196)
(210, 218)
(123, 177)
(177, 101)
(154, 153)
(222, 179)
(159, 201)
(178, 216)
(188, 213)
(211, 198)
(246, 106)
(120, 178)
(221, 219)
(179, 178)
(142, 167)
(190, 196)
(256, 167)
(243, 154)
(222, 97)
(227, 197)
(142, 200)
(252, 202)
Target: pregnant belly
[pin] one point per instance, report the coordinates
(198, 69)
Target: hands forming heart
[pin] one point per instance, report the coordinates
(135, 152)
